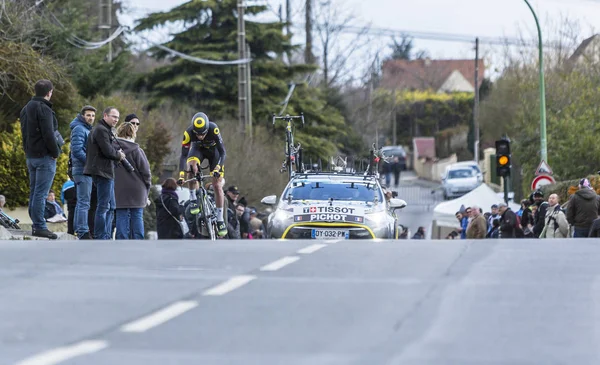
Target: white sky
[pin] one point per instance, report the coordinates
(483, 18)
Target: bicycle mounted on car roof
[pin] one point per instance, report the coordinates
(293, 154)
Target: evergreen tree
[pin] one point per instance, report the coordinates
(210, 32)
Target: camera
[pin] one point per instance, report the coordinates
(127, 165)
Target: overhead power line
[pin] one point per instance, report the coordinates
(202, 60)
(444, 37)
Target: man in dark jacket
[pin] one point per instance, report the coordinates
(39, 131)
(539, 218)
(582, 209)
(80, 130)
(101, 155)
(508, 221)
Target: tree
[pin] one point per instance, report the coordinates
(403, 49)
(572, 97)
(331, 20)
(214, 88)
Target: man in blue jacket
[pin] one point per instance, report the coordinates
(80, 130)
(39, 129)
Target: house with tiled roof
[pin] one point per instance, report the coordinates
(588, 51)
(426, 74)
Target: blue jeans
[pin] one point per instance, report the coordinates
(130, 224)
(83, 185)
(41, 175)
(105, 209)
(581, 232)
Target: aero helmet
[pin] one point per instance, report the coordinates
(200, 123)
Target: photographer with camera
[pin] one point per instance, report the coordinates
(131, 187)
(100, 165)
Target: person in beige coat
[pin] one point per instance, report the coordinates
(478, 226)
(556, 225)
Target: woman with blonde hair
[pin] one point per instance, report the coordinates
(131, 188)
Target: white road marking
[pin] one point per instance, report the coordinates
(312, 248)
(157, 318)
(282, 262)
(61, 354)
(233, 283)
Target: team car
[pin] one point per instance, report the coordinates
(333, 206)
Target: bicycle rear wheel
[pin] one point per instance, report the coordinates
(288, 161)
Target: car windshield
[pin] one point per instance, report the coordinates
(325, 190)
(462, 173)
(393, 151)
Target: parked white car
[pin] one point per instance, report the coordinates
(460, 178)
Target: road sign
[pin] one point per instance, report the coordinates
(543, 169)
(541, 180)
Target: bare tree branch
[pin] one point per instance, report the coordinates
(332, 17)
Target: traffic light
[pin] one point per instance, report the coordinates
(503, 162)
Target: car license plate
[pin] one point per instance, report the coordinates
(330, 234)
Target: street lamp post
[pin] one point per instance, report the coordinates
(544, 150)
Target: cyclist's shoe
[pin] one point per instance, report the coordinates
(194, 207)
(222, 229)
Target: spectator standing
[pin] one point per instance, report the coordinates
(556, 225)
(39, 129)
(168, 212)
(539, 215)
(134, 120)
(508, 221)
(583, 209)
(80, 130)
(101, 156)
(477, 228)
(131, 188)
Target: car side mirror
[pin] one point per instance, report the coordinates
(397, 203)
(269, 200)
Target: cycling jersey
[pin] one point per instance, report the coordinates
(211, 147)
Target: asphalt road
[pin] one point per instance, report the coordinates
(420, 201)
(274, 302)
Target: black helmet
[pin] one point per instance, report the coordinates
(200, 123)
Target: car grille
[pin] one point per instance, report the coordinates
(299, 232)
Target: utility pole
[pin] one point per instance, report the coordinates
(308, 56)
(105, 22)
(288, 20)
(394, 116)
(249, 93)
(370, 110)
(476, 104)
(280, 14)
(242, 72)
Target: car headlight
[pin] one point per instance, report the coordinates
(377, 216)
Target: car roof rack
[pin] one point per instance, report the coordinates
(367, 168)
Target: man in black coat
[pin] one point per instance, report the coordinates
(101, 156)
(508, 221)
(39, 129)
(539, 218)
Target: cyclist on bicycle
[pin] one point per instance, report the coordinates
(203, 140)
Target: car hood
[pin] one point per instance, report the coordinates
(463, 181)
